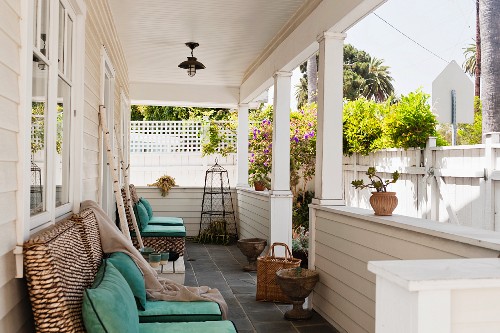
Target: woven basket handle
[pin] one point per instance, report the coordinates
(288, 253)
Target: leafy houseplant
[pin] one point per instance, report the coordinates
(382, 202)
(164, 183)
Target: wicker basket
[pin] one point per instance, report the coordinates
(267, 266)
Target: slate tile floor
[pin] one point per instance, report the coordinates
(221, 267)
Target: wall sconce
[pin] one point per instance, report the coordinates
(191, 64)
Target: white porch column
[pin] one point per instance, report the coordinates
(242, 149)
(328, 179)
(281, 196)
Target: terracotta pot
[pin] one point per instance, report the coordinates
(259, 186)
(384, 203)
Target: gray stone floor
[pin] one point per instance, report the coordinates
(220, 267)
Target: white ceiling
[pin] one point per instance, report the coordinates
(231, 33)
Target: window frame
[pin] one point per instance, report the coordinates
(76, 10)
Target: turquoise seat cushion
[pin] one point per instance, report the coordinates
(109, 306)
(148, 207)
(223, 326)
(135, 279)
(171, 311)
(166, 220)
(164, 231)
(141, 215)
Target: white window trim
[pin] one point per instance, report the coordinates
(24, 222)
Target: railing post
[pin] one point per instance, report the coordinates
(492, 222)
(432, 202)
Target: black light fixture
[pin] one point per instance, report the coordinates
(191, 64)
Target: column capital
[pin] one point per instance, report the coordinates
(282, 74)
(331, 35)
(242, 105)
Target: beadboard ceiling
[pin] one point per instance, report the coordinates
(232, 35)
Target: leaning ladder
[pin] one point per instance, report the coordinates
(114, 173)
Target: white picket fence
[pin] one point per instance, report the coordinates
(458, 185)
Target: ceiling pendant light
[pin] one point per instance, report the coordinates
(191, 64)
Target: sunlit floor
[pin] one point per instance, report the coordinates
(220, 267)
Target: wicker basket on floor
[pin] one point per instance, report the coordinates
(267, 266)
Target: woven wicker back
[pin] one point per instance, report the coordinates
(87, 224)
(58, 269)
(133, 194)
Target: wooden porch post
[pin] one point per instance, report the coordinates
(328, 180)
(242, 150)
(281, 196)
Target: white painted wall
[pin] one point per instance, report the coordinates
(254, 211)
(188, 169)
(14, 305)
(100, 31)
(346, 238)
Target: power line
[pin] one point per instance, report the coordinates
(411, 39)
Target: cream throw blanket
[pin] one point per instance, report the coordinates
(157, 288)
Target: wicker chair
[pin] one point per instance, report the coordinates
(160, 244)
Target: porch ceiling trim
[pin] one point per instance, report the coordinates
(334, 16)
(184, 95)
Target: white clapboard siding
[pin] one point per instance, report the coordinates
(14, 304)
(254, 214)
(182, 202)
(100, 31)
(347, 238)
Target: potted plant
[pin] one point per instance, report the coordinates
(259, 181)
(260, 144)
(164, 183)
(382, 202)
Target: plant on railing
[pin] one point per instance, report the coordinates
(376, 182)
(164, 183)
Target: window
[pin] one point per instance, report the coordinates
(52, 103)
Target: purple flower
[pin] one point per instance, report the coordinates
(310, 124)
(253, 154)
(311, 133)
(266, 151)
(296, 139)
(265, 163)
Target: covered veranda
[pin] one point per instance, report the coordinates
(127, 52)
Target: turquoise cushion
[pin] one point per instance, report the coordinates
(135, 279)
(164, 231)
(148, 207)
(166, 220)
(223, 326)
(141, 215)
(109, 305)
(171, 311)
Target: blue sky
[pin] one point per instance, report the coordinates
(444, 27)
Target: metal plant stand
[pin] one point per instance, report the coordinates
(217, 223)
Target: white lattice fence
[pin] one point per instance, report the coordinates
(165, 136)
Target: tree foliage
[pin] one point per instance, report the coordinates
(160, 113)
(472, 134)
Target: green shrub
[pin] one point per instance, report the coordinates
(472, 134)
(410, 122)
(362, 123)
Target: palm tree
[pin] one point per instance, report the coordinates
(469, 64)
(378, 85)
(301, 92)
(490, 60)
